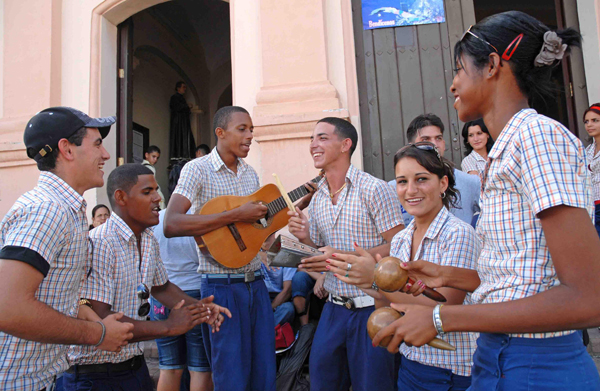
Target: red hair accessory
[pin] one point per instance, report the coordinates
(516, 42)
(595, 108)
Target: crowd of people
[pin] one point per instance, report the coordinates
(509, 241)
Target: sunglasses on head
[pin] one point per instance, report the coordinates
(424, 146)
(143, 293)
(506, 55)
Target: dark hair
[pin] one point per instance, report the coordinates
(420, 122)
(204, 148)
(179, 84)
(484, 129)
(223, 116)
(153, 148)
(99, 206)
(436, 165)
(500, 30)
(343, 129)
(174, 175)
(124, 178)
(48, 162)
(593, 108)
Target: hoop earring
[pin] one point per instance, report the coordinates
(443, 195)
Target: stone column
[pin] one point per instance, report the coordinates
(295, 91)
(31, 82)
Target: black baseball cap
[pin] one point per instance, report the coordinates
(45, 129)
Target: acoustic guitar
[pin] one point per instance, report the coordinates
(235, 245)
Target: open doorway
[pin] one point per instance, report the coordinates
(177, 41)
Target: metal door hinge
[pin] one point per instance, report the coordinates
(122, 74)
(571, 88)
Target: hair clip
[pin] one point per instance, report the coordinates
(516, 42)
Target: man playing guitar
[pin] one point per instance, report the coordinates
(242, 353)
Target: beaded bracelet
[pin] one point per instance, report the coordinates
(103, 334)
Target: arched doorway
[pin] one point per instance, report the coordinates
(140, 49)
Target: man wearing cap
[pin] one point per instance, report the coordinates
(44, 254)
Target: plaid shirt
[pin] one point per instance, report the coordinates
(366, 208)
(208, 177)
(116, 273)
(49, 220)
(473, 162)
(448, 241)
(536, 164)
(594, 167)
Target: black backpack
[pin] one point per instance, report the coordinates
(289, 376)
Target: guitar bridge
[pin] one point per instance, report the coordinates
(236, 235)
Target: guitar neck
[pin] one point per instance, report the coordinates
(279, 204)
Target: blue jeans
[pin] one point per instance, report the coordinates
(284, 313)
(597, 218)
(138, 380)
(342, 354)
(415, 376)
(242, 354)
(506, 363)
(302, 284)
(182, 350)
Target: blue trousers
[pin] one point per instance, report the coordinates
(242, 354)
(506, 363)
(342, 354)
(284, 313)
(415, 376)
(138, 380)
(597, 218)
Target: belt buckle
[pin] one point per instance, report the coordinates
(249, 277)
(349, 304)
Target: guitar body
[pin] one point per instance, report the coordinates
(222, 243)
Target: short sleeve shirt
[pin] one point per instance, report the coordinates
(365, 209)
(448, 242)
(117, 270)
(274, 277)
(208, 177)
(473, 162)
(594, 167)
(536, 164)
(46, 228)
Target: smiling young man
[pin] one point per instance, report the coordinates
(44, 253)
(126, 269)
(349, 208)
(429, 127)
(242, 355)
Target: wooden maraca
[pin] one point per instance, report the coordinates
(383, 317)
(390, 277)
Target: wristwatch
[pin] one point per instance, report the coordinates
(85, 302)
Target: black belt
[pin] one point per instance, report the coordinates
(232, 278)
(132, 364)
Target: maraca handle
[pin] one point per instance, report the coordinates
(441, 344)
(428, 292)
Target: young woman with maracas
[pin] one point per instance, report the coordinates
(537, 275)
(425, 186)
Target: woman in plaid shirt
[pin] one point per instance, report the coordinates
(426, 188)
(591, 120)
(537, 276)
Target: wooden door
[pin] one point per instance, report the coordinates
(574, 72)
(403, 72)
(125, 92)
